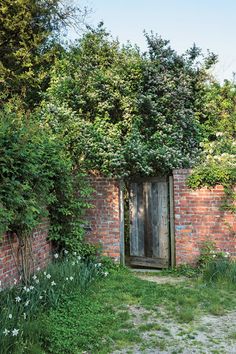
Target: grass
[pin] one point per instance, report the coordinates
(97, 321)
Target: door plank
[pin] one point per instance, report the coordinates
(137, 220)
(163, 220)
(149, 262)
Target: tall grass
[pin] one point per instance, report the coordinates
(221, 270)
(20, 305)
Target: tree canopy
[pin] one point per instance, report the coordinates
(125, 112)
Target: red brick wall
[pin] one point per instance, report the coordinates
(198, 218)
(104, 217)
(10, 260)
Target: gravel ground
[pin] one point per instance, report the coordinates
(162, 334)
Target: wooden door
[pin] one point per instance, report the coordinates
(149, 223)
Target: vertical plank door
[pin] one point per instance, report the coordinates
(149, 223)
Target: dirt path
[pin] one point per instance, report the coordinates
(162, 334)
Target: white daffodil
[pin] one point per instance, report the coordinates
(35, 277)
(15, 332)
(53, 283)
(56, 255)
(38, 269)
(10, 316)
(24, 315)
(40, 297)
(74, 253)
(48, 276)
(71, 278)
(27, 302)
(6, 332)
(31, 287)
(66, 252)
(37, 281)
(18, 299)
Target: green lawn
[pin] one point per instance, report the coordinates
(100, 320)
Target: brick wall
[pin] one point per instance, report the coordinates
(198, 218)
(10, 255)
(104, 217)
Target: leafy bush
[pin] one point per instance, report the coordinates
(39, 178)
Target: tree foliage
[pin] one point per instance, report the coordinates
(124, 112)
(29, 43)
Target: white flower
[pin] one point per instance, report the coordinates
(15, 332)
(213, 256)
(66, 252)
(31, 287)
(67, 278)
(10, 316)
(37, 281)
(105, 274)
(27, 302)
(73, 263)
(71, 278)
(45, 273)
(38, 269)
(79, 258)
(48, 276)
(56, 255)
(74, 253)
(15, 281)
(34, 277)
(18, 299)
(99, 264)
(24, 315)
(6, 332)
(40, 297)
(53, 283)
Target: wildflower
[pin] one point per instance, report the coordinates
(15, 332)
(31, 287)
(24, 315)
(79, 258)
(71, 278)
(27, 302)
(26, 289)
(34, 277)
(66, 252)
(6, 331)
(37, 281)
(105, 274)
(56, 255)
(18, 299)
(53, 283)
(73, 263)
(67, 278)
(213, 256)
(10, 316)
(99, 264)
(38, 269)
(45, 273)
(48, 276)
(15, 281)
(40, 297)
(74, 253)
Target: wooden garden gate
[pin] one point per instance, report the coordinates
(149, 222)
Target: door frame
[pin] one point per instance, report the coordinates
(170, 221)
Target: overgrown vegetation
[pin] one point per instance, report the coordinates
(48, 289)
(100, 321)
(218, 159)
